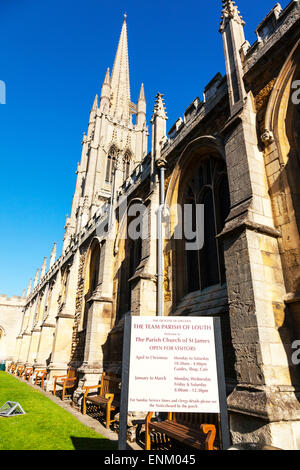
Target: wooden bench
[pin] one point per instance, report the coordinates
(195, 430)
(40, 377)
(108, 396)
(20, 371)
(27, 373)
(10, 366)
(66, 382)
(13, 368)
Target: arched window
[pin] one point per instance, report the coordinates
(111, 158)
(94, 268)
(206, 185)
(91, 280)
(128, 268)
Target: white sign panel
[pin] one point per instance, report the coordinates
(173, 365)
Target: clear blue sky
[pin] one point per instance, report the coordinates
(53, 58)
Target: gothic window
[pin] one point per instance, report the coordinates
(111, 158)
(130, 263)
(94, 268)
(208, 186)
(92, 281)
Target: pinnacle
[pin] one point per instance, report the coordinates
(107, 77)
(142, 94)
(36, 278)
(29, 287)
(53, 255)
(230, 11)
(95, 104)
(159, 107)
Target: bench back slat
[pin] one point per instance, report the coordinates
(194, 420)
(110, 384)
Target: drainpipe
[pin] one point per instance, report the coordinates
(160, 243)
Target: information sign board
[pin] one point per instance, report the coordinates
(173, 364)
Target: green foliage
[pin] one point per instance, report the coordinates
(45, 426)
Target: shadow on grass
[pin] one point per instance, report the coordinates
(87, 443)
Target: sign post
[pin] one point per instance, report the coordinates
(122, 442)
(173, 364)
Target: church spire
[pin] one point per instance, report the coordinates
(120, 84)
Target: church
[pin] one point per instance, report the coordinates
(236, 152)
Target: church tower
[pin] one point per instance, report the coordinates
(112, 141)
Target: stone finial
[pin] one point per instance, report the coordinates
(142, 94)
(52, 256)
(105, 93)
(107, 77)
(159, 107)
(230, 12)
(159, 126)
(141, 109)
(44, 267)
(29, 288)
(95, 104)
(36, 278)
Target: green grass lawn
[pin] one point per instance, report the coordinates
(45, 426)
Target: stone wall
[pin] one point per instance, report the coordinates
(10, 324)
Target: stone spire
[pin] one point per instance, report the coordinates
(230, 11)
(52, 256)
(120, 84)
